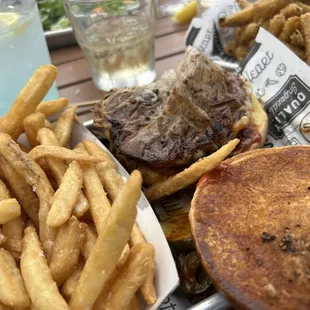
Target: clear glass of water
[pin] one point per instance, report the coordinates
(22, 49)
(117, 39)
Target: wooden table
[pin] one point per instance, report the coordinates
(74, 79)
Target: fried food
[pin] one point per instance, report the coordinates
(192, 174)
(64, 125)
(66, 250)
(291, 25)
(297, 39)
(305, 28)
(248, 33)
(249, 218)
(42, 289)
(66, 196)
(112, 239)
(32, 124)
(51, 107)
(291, 10)
(14, 232)
(9, 210)
(12, 288)
(58, 168)
(277, 24)
(28, 100)
(240, 18)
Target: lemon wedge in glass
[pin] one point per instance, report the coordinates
(185, 15)
(8, 19)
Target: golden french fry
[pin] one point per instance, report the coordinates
(266, 9)
(40, 285)
(66, 196)
(35, 177)
(9, 210)
(134, 304)
(240, 18)
(130, 278)
(230, 47)
(51, 107)
(297, 39)
(14, 231)
(276, 24)
(2, 238)
(89, 242)
(94, 192)
(32, 124)
(60, 152)
(291, 25)
(107, 170)
(12, 288)
(22, 191)
(70, 284)
(112, 239)
(124, 256)
(4, 192)
(191, 174)
(66, 250)
(241, 52)
(64, 125)
(48, 125)
(58, 168)
(249, 33)
(305, 28)
(28, 100)
(291, 10)
(243, 4)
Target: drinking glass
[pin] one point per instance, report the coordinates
(117, 39)
(22, 49)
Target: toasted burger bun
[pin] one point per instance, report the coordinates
(250, 220)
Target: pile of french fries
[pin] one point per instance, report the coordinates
(288, 20)
(68, 238)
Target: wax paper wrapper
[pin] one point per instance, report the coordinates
(281, 80)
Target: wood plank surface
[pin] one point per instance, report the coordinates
(163, 27)
(78, 71)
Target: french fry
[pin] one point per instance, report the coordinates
(276, 24)
(32, 124)
(129, 279)
(265, 9)
(35, 177)
(191, 174)
(297, 39)
(3, 238)
(22, 191)
(240, 18)
(291, 10)
(58, 168)
(66, 250)
(112, 239)
(63, 153)
(241, 52)
(305, 28)
(107, 170)
(51, 107)
(249, 33)
(94, 192)
(64, 125)
(66, 196)
(28, 100)
(113, 182)
(9, 210)
(243, 4)
(48, 125)
(134, 304)
(40, 285)
(291, 25)
(12, 288)
(89, 242)
(70, 284)
(4, 192)
(14, 231)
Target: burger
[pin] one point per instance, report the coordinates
(187, 114)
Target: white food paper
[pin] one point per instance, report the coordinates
(281, 80)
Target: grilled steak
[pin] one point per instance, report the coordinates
(185, 115)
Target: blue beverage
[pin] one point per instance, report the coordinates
(22, 49)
